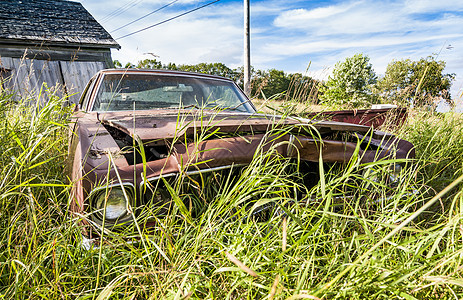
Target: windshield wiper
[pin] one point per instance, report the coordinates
(232, 108)
(198, 107)
(238, 105)
(189, 106)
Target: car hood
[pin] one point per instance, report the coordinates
(168, 124)
(105, 135)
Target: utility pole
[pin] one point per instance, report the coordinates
(247, 51)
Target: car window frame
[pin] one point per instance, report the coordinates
(86, 93)
(246, 101)
(94, 89)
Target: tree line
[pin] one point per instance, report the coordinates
(273, 83)
(352, 84)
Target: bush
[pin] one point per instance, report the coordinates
(351, 84)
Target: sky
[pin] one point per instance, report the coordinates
(302, 36)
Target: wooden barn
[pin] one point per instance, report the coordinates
(56, 42)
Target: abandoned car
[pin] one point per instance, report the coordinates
(134, 129)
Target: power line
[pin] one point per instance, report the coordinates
(124, 10)
(165, 21)
(117, 10)
(120, 10)
(154, 11)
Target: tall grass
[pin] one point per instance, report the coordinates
(318, 243)
(438, 139)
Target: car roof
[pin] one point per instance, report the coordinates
(162, 72)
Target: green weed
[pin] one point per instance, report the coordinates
(348, 237)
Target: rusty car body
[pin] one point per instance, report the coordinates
(135, 127)
(393, 116)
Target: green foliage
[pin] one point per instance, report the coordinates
(278, 85)
(351, 83)
(295, 255)
(271, 82)
(149, 64)
(438, 139)
(218, 69)
(418, 83)
(117, 64)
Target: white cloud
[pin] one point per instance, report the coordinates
(431, 6)
(355, 17)
(301, 17)
(383, 30)
(186, 41)
(364, 17)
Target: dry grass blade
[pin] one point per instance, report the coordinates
(302, 296)
(273, 289)
(240, 265)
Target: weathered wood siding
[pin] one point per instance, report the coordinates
(28, 77)
(76, 75)
(32, 51)
(62, 77)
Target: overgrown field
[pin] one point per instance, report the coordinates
(409, 246)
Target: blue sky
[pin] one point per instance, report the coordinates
(290, 35)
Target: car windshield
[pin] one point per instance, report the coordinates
(158, 91)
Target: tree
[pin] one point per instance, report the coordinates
(149, 64)
(417, 83)
(303, 89)
(271, 83)
(280, 85)
(351, 83)
(117, 64)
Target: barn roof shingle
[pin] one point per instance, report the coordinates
(51, 21)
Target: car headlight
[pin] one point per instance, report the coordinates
(116, 205)
(111, 203)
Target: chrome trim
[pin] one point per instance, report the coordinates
(214, 169)
(97, 189)
(291, 145)
(143, 182)
(164, 73)
(95, 88)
